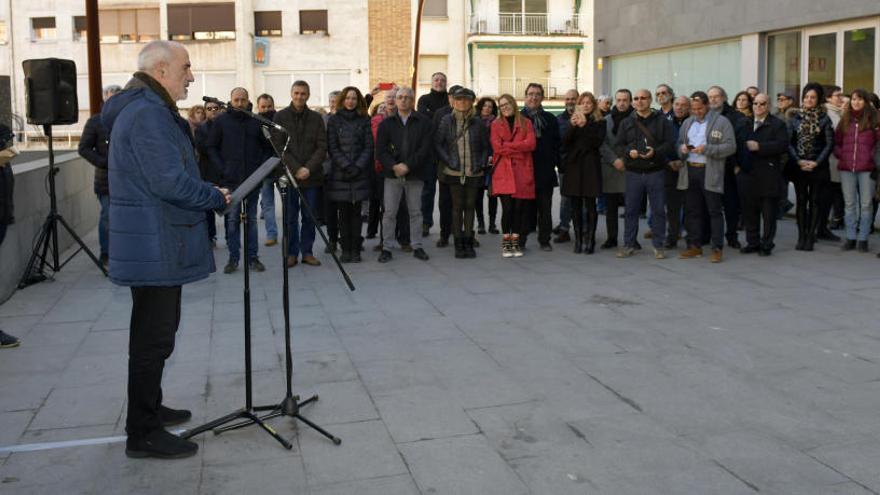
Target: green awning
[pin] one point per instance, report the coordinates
(530, 46)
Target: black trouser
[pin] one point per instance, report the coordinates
(731, 204)
(756, 208)
(697, 196)
(514, 213)
(674, 212)
(543, 205)
(493, 206)
(464, 198)
(613, 201)
(155, 316)
(331, 219)
(350, 225)
(827, 200)
(376, 197)
(212, 224)
(445, 206)
(808, 195)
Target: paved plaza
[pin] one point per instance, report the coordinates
(550, 374)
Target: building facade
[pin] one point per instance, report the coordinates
(494, 46)
(776, 45)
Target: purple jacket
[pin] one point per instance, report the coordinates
(855, 148)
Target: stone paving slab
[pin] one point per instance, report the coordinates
(550, 374)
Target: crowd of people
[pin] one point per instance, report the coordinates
(698, 168)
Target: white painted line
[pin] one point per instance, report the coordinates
(34, 447)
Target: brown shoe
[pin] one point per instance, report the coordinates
(311, 260)
(271, 242)
(691, 252)
(406, 248)
(291, 261)
(649, 235)
(716, 256)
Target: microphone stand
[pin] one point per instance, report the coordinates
(290, 404)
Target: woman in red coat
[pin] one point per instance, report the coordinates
(513, 180)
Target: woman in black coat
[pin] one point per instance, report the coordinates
(810, 145)
(582, 170)
(350, 145)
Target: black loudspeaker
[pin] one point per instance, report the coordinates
(50, 91)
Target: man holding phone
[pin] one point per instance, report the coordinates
(644, 141)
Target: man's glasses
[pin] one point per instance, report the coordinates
(760, 104)
(212, 109)
(658, 93)
(639, 98)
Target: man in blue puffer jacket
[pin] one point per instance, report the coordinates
(158, 232)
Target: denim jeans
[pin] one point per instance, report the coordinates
(267, 208)
(858, 189)
(393, 190)
(301, 238)
(233, 229)
(104, 224)
(637, 186)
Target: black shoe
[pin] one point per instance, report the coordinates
(637, 246)
(863, 246)
(493, 229)
(827, 235)
(8, 341)
(171, 417)
(230, 267)
(426, 230)
(763, 252)
(160, 444)
(330, 248)
(561, 237)
(443, 241)
(808, 245)
(750, 249)
(835, 224)
(371, 235)
(345, 257)
(256, 266)
(557, 230)
(670, 244)
(469, 243)
(609, 244)
(459, 248)
(733, 242)
(420, 254)
(385, 257)
(546, 247)
(481, 228)
(848, 245)
(356, 257)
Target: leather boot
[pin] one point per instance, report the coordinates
(590, 232)
(459, 247)
(802, 229)
(469, 250)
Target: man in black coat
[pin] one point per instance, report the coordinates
(94, 146)
(444, 202)
(429, 104)
(208, 171)
(763, 141)
(546, 158)
(403, 147)
(237, 147)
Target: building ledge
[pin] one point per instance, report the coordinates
(518, 39)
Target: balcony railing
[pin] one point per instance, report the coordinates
(526, 24)
(554, 87)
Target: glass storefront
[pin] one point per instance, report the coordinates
(685, 69)
(859, 55)
(784, 63)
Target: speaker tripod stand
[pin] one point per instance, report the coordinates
(48, 238)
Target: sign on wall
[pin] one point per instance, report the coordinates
(261, 51)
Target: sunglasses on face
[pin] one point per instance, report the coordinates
(212, 109)
(760, 104)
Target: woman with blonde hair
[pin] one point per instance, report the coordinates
(582, 170)
(513, 178)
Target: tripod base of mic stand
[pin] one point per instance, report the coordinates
(288, 407)
(250, 418)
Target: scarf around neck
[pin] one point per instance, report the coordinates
(617, 117)
(808, 130)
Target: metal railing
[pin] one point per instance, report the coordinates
(526, 24)
(554, 87)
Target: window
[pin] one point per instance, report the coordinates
(784, 63)
(312, 21)
(267, 23)
(822, 65)
(79, 28)
(129, 25)
(430, 65)
(434, 8)
(201, 21)
(686, 69)
(858, 59)
(43, 28)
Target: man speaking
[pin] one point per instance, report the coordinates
(158, 233)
